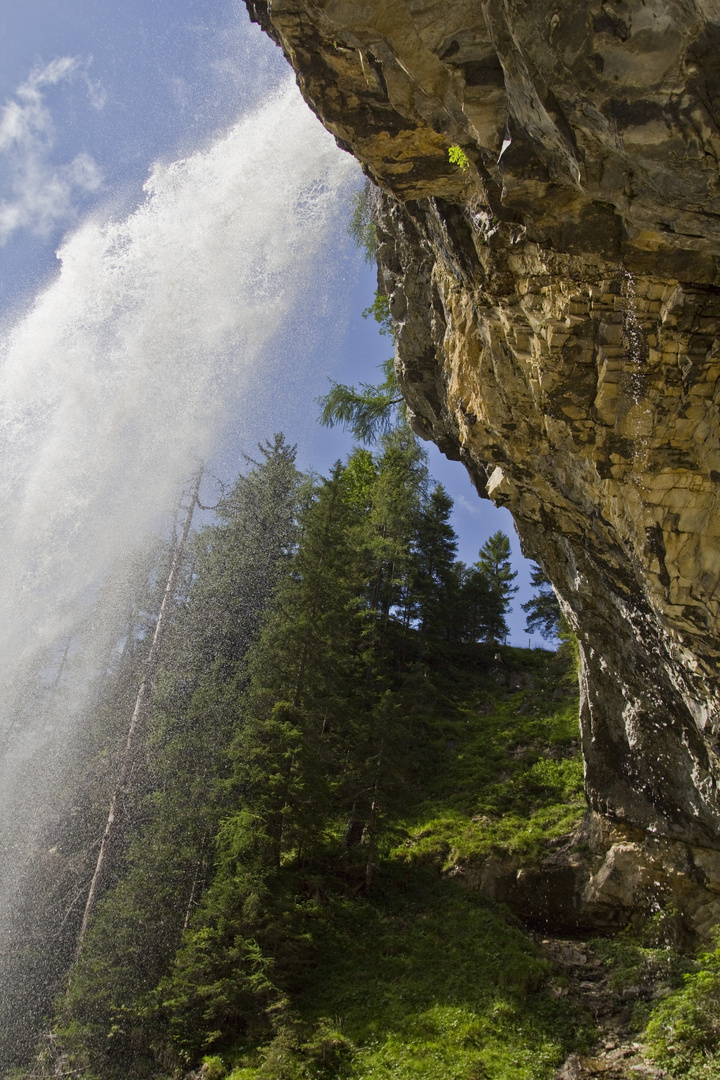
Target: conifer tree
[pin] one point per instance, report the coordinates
(433, 565)
(472, 604)
(494, 564)
(543, 610)
(320, 748)
(109, 1020)
(386, 532)
(276, 767)
(372, 410)
(361, 226)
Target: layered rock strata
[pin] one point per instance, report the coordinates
(557, 303)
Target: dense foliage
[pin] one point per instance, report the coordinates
(684, 1029)
(332, 725)
(338, 742)
(361, 226)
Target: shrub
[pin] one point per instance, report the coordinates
(684, 1030)
(458, 157)
(213, 1068)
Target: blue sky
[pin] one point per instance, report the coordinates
(93, 94)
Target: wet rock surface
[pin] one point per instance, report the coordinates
(616, 1055)
(558, 305)
(607, 468)
(592, 124)
(585, 981)
(620, 1063)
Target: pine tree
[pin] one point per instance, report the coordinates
(109, 1019)
(277, 767)
(434, 577)
(293, 723)
(543, 610)
(236, 563)
(103, 660)
(386, 532)
(321, 748)
(474, 605)
(372, 410)
(494, 563)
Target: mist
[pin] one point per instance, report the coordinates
(125, 371)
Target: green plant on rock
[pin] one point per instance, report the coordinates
(380, 311)
(458, 157)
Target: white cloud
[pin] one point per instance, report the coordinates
(474, 508)
(38, 194)
(96, 92)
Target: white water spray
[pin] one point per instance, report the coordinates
(126, 368)
(134, 358)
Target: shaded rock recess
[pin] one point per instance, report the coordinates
(557, 303)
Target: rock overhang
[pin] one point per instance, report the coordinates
(558, 313)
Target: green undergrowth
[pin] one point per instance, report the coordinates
(501, 771)
(666, 998)
(683, 1033)
(422, 979)
(645, 963)
(672, 998)
(348, 958)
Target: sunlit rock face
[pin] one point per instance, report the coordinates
(558, 308)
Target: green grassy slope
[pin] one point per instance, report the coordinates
(421, 977)
(501, 768)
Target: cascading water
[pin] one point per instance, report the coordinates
(129, 366)
(638, 417)
(633, 336)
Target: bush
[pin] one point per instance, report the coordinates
(683, 1033)
(458, 157)
(326, 1053)
(213, 1068)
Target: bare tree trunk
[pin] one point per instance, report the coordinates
(63, 661)
(200, 867)
(137, 721)
(370, 833)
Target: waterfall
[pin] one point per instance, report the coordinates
(633, 336)
(637, 416)
(124, 371)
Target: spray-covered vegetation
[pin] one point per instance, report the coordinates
(335, 727)
(337, 739)
(684, 1029)
(361, 225)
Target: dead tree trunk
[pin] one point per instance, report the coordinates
(137, 723)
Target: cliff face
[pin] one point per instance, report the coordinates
(558, 309)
